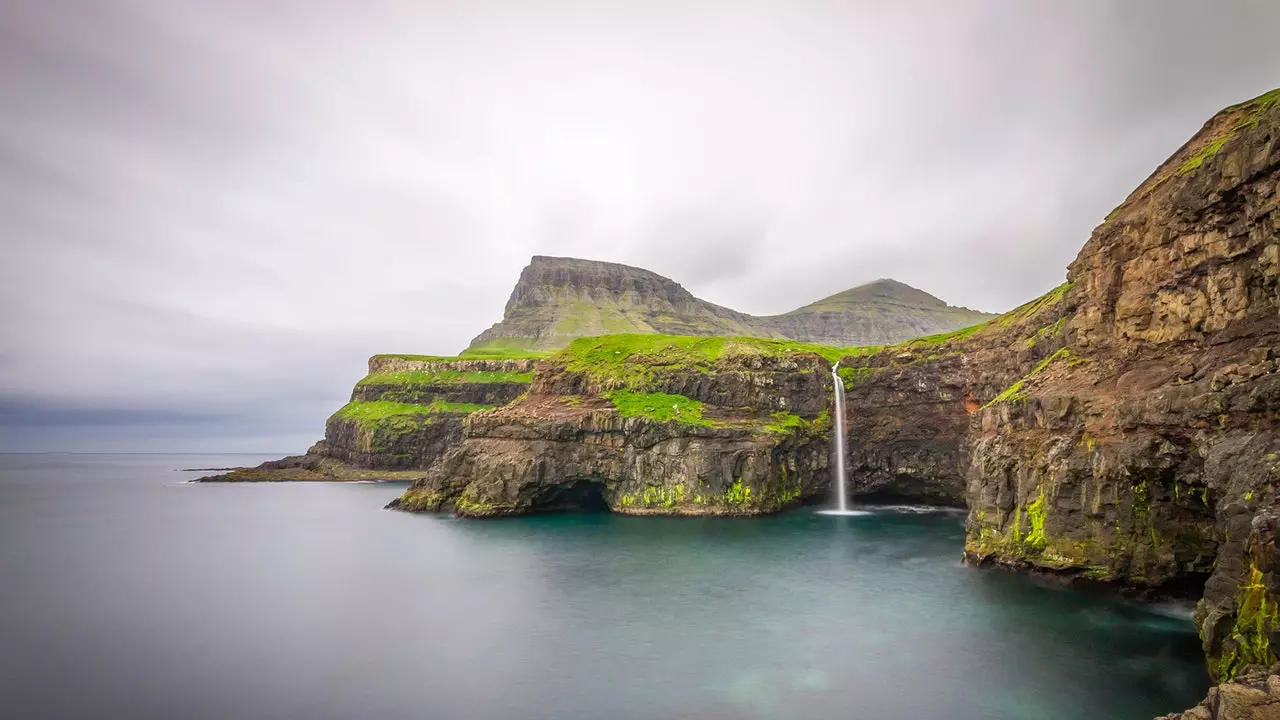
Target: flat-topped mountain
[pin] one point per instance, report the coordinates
(559, 299)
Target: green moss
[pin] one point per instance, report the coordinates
(1034, 307)
(737, 494)
(851, 376)
(1257, 615)
(445, 377)
(655, 497)
(420, 500)
(1035, 514)
(785, 422)
(1254, 109)
(1205, 153)
(1251, 113)
(660, 407)
(1014, 392)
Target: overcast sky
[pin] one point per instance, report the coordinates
(213, 212)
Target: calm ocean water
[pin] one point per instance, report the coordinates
(129, 594)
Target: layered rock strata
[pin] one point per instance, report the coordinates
(1143, 452)
(402, 417)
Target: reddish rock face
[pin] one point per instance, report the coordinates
(1131, 458)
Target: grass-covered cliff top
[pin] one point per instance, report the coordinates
(378, 410)
(446, 377)
(616, 351)
(666, 407)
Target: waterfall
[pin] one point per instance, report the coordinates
(838, 411)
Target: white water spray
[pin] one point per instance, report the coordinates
(838, 410)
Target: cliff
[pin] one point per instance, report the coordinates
(401, 419)
(1147, 448)
(645, 424)
(559, 299)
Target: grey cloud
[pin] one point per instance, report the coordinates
(217, 211)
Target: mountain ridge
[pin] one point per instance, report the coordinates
(557, 299)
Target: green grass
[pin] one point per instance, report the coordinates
(665, 407)
(502, 350)
(940, 338)
(1030, 309)
(445, 377)
(630, 358)
(660, 407)
(379, 410)
(1251, 114)
(1014, 391)
(1205, 153)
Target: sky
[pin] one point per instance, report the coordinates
(214, 212)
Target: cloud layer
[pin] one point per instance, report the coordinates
(216, 211)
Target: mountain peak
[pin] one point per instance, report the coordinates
(884, 290)
(560, 298)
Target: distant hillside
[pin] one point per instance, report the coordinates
(559, 299)
(878, 313)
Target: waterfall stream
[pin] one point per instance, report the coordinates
(838, 470)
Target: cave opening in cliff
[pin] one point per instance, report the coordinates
(585, 495)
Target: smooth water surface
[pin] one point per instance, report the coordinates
(128, 594)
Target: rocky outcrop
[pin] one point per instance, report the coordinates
(646, 425)
(1239, 615)
(403, 416)
(1254, 695)
(559, 299)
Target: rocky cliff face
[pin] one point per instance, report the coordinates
(647, 424)
(559, 299)
(402, 417)
(1141, 454)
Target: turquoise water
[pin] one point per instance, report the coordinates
(131, 594)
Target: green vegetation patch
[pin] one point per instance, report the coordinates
(1205, 153)
(1257, 615)
(1014, 391)
(665, 407)
(1251, 114)
(446, 377)
(1030, 309)
(660, 407)
(939, 338)
(628, 359)
(379, 410)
